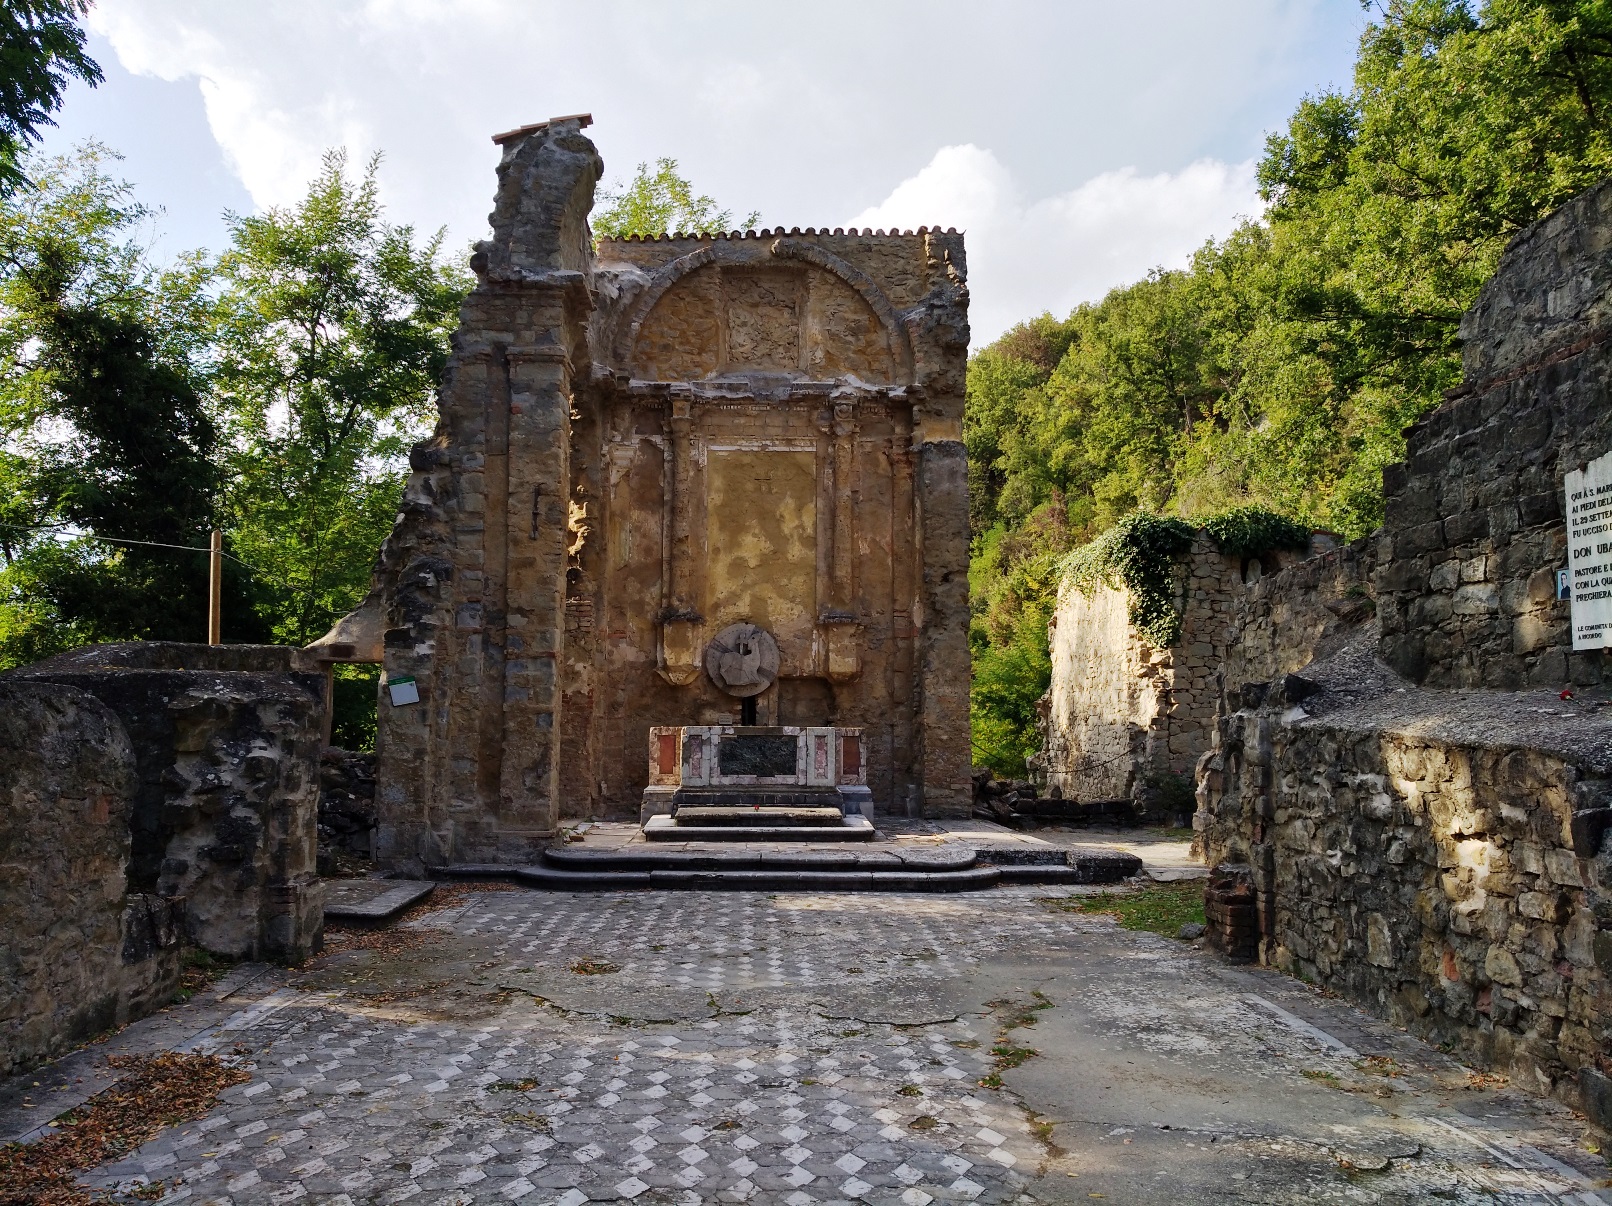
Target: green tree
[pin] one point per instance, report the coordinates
(660, 202)
(41, 51)
(1282, 365)
(332, 331)
(108, 471)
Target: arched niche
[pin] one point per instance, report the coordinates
(785, 307)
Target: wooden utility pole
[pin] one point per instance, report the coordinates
(215, 591)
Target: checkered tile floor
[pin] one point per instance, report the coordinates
(354, 1104)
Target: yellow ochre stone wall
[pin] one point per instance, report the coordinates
(639, 445)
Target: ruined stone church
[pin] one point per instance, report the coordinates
(645, 446)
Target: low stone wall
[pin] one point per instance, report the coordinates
(1436, 855)
(224, 804)
(78, 953)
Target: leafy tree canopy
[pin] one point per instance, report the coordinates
(660, 202)
(1280, 367)
(108, 451)
(41, 51)
(331, 333)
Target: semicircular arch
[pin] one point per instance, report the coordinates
(631, 323)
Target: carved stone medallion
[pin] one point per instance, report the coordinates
(742, 659)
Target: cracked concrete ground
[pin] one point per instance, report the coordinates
(706, 1047)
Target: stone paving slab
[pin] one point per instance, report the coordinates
(695, 1047)
(361, 901)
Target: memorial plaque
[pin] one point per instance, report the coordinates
(1588, 504)
(763, 755)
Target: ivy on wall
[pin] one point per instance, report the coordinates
(1252, 531)
(1138, 554)
(1141, 555)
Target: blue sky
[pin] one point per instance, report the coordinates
(1078, 143)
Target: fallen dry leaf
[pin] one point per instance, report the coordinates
(156, 1091)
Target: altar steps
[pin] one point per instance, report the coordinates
(953, 868)
(844, 829)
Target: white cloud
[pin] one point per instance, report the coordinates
(1028, 256)
(803, 119)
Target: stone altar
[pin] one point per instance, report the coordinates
(641, 444)
(752, 775)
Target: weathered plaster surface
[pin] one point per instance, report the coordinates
(637, 448)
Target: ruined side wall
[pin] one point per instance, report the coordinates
(1440, 854)
(1430, 855)
(1122, 715)
(78, 954)
(938, 326)
(1106, 697)
(1307, 610)
(223, 810)
(1474, 531)
(469, 592)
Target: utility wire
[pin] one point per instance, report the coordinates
(155, 544)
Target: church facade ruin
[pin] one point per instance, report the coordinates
(641, 446)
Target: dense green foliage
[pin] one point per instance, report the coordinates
(660, 202)
(1280, 367)
(273, 394)
(1249, 531)
(41, 52)
(108, 449)
(330, 333)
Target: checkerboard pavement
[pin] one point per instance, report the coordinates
(354, 1103)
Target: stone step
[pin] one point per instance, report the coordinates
(664, 829)
(738, 879)
(952, 868)
(1040, 873)
(361, 902)
(732, 858)
(1073, 865)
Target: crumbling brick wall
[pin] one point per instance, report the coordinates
(223, 806)
(1474, 530)
(78, 952)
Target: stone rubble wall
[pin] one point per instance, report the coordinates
(347, 816)
(1474, 530)
(1308, 609)
(1435, 855)
(1419, 814)
(223, 807)
(79, 953)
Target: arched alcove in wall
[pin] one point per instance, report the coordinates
(786, 307)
